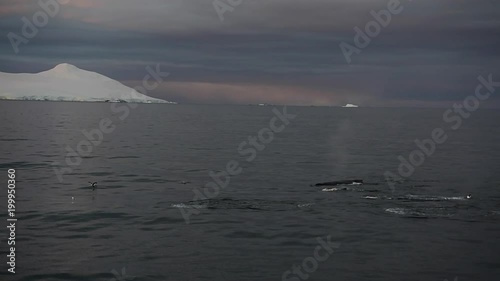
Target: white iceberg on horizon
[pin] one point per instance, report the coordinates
(350, 105)
(66, 82)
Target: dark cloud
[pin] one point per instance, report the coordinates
(269, 51)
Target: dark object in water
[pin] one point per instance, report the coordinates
(335, 183)
(93, 185)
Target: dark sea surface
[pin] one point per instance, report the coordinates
(269, 217)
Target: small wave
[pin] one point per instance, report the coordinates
(188, 206)
(22, 164)
(407, 212)
(356, 183)
(342, 182)
(100, 174)
(242, 204)
(9, 139)
(454, 198)
(371, 197)
(432, 198)
(421, 212)
(337, 189)
(305, 205)
(421, 185)
(123, 157)
(495, 212)
(398, 211)
(331, 189)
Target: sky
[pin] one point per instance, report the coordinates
(428, 54)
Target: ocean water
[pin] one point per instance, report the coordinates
(268, 218)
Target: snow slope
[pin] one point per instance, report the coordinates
(350, 105)
(66, 82)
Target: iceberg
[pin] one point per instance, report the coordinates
(350, 105)
(66, 82)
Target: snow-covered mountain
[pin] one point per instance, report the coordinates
(66, 82)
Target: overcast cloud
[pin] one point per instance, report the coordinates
(273, 51)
